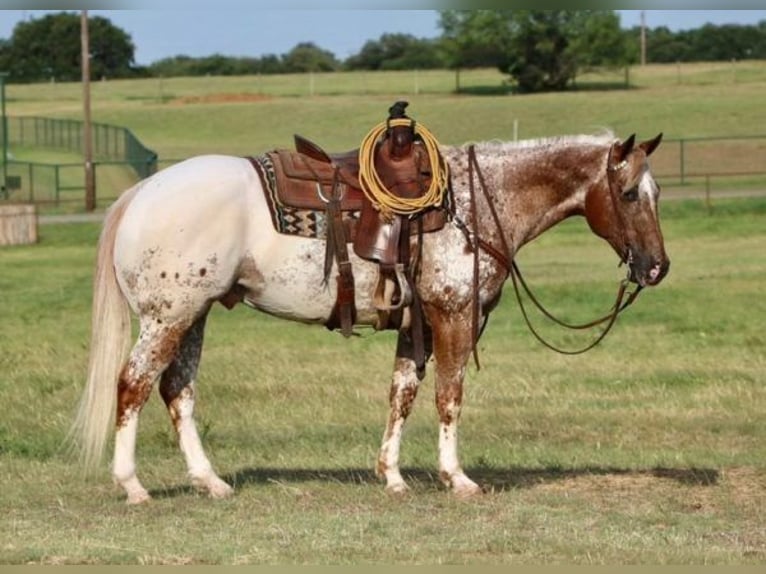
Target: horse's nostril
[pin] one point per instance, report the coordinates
(658, 271)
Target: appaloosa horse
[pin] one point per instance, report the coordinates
(199, 232)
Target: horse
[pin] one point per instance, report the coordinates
(198, 232)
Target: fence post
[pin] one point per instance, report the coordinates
(31, 183)
(683, 164)
(57, 182)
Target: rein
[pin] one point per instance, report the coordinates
(506, 260)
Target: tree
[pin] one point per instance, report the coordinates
(665, 46)
(396, 52)
(308, 57)
(596, 39)
(541, 50)
(540, 58)
(475, 38)
(5, 55)
(726, 42)
(49, 48)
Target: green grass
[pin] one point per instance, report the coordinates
(649, 449)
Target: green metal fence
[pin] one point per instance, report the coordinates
(119, 159)
(110, 142)
(63, 184)
(683, 161)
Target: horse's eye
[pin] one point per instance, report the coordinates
(631, 194)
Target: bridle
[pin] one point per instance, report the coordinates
(505, 259)
(615, 190)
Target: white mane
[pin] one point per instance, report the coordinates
(604, 138)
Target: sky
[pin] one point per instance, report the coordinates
(255, 32)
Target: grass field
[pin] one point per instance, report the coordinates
(245, 115)
(178, 117)
(650, 449)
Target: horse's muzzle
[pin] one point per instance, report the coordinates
(648, 273)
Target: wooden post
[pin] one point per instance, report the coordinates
(18, 224)
(90, 184)
(643, 38)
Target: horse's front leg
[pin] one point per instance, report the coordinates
(404, 389)
(453, 338)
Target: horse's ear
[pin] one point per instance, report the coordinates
(627, 146)
(621, 150)
(650, 145)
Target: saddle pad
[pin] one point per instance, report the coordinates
(310, 222)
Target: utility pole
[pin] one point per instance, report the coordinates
(4, 127)
(90, 179)
(643, 38)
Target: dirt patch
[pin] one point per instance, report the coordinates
(221, 99)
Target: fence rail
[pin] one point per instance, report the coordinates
(62, 184)
(681, 161)
(711, 163)
(110, 142)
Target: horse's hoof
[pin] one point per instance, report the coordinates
(397, 489)
(464, 488)
(219, 489)
(138, 497)
(466, 493)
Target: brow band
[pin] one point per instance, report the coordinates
(618, 166)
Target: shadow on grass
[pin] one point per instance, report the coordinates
(617, 86)
(505, 89)
(490, 479)
(496, 90)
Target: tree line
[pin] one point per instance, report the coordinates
(539, 50)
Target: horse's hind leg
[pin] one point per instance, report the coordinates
(404, 389)
(155, 349)
(177, 390)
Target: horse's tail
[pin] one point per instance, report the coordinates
(109, 346)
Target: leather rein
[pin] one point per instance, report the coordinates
(505, 259)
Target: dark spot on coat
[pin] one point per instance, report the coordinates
(202, 272)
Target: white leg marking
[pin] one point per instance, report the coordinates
(449, 466)
(388, 461)
(404, 387)
(199, 467)
(124, 468)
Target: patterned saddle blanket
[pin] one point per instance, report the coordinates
(297, 207)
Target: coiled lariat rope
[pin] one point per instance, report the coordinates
(372, 186)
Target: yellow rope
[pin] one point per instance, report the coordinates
(373, 187)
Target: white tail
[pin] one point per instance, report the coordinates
(109, 346)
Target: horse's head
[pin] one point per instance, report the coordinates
(622, 208)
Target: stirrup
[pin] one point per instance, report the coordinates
(386, 317)
(392, 294)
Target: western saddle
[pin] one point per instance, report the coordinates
(311, 179)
